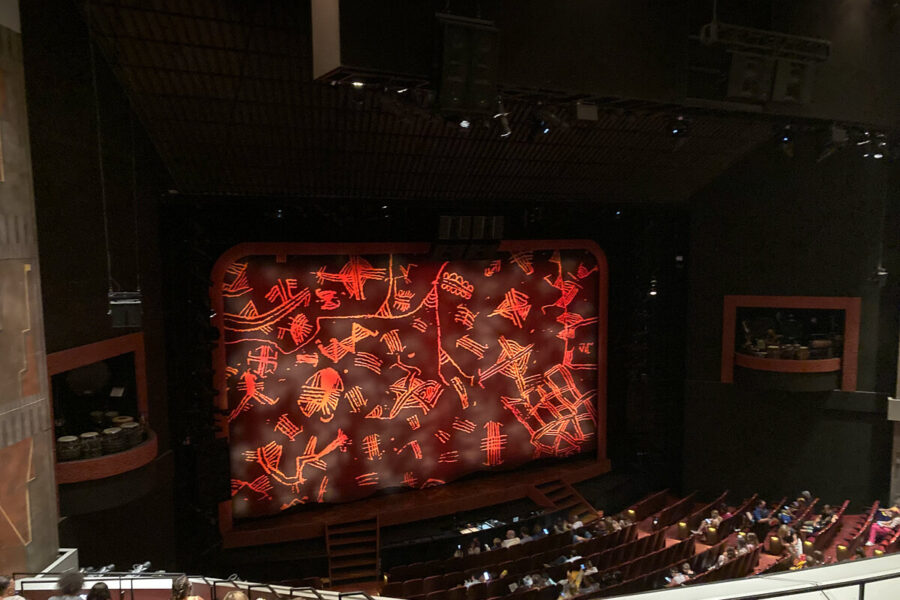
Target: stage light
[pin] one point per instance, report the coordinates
(786, 140)
(358, 85)
(402, 90)
(502, 116)
(653, 291)
(679, 126)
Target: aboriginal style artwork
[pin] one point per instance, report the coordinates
(346, 375)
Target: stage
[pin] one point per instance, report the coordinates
(410, 506)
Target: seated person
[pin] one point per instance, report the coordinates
(182, 589)
(812, 527)
(885, 525)
(496, 544)
(687, 570)
(742, 547)
(752, 541)
(560, 525)
(713, 520)
(676, 577)
(524, 536)
(474, 547)
(511, 539)
(459, 552)
(235, 595)
(8, 589)
(729, 554)
(759, 513)
(70, 584)
(793, 545)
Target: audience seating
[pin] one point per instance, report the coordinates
(861, 533)
(638, 554)
(695, 518)
(649, 505)
(672, 514)
(827, 535)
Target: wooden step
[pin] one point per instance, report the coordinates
(356, 539)
(342, 562)
(353, 551)
(359, 575)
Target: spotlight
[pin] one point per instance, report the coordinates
(402, 90)
(679, 126)
(653, 291)
(786, 140)
(502, 116)
(358, 85)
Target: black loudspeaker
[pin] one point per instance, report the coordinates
(793, 81)
(125, 309)
(750, 77)
(468, 77)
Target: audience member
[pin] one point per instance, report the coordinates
(793, 545)
(69, 585)
(742, 547)
(496, 544)
(676, 577)
(511, 539)
(886, 523)
(524, 536)
(687, 570)
(713, 520)
(99, 591)
(474, 547)
(182, 589)
(235, 595)
(8, 589)
(752, 541)
(760, 514)
(729, 554)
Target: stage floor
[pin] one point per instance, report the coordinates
(409, 506)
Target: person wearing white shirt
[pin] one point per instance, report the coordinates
(511, 539)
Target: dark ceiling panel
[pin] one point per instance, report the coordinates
(225, 90)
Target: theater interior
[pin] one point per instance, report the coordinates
(449, 299)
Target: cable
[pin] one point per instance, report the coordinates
(99, 148)
(134, 205)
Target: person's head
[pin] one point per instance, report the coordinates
(818, 557)
(761, 504)
(714, 514)
(7, 586)
(181, 587)
(497, 541)
(537, 529)
(860, 552)
(730, 553)
(70, 583)
(673, 572)
(99, 591)
(686, 568)
(751, 539)
(741, 542)
(827, 510)
(510, 534)
(523, 531)
(473, 543)
(806, 495)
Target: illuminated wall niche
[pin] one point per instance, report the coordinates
(344, 371)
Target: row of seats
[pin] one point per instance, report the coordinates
(740, 566)
(534, 562)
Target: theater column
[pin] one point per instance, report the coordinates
(28, 510)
